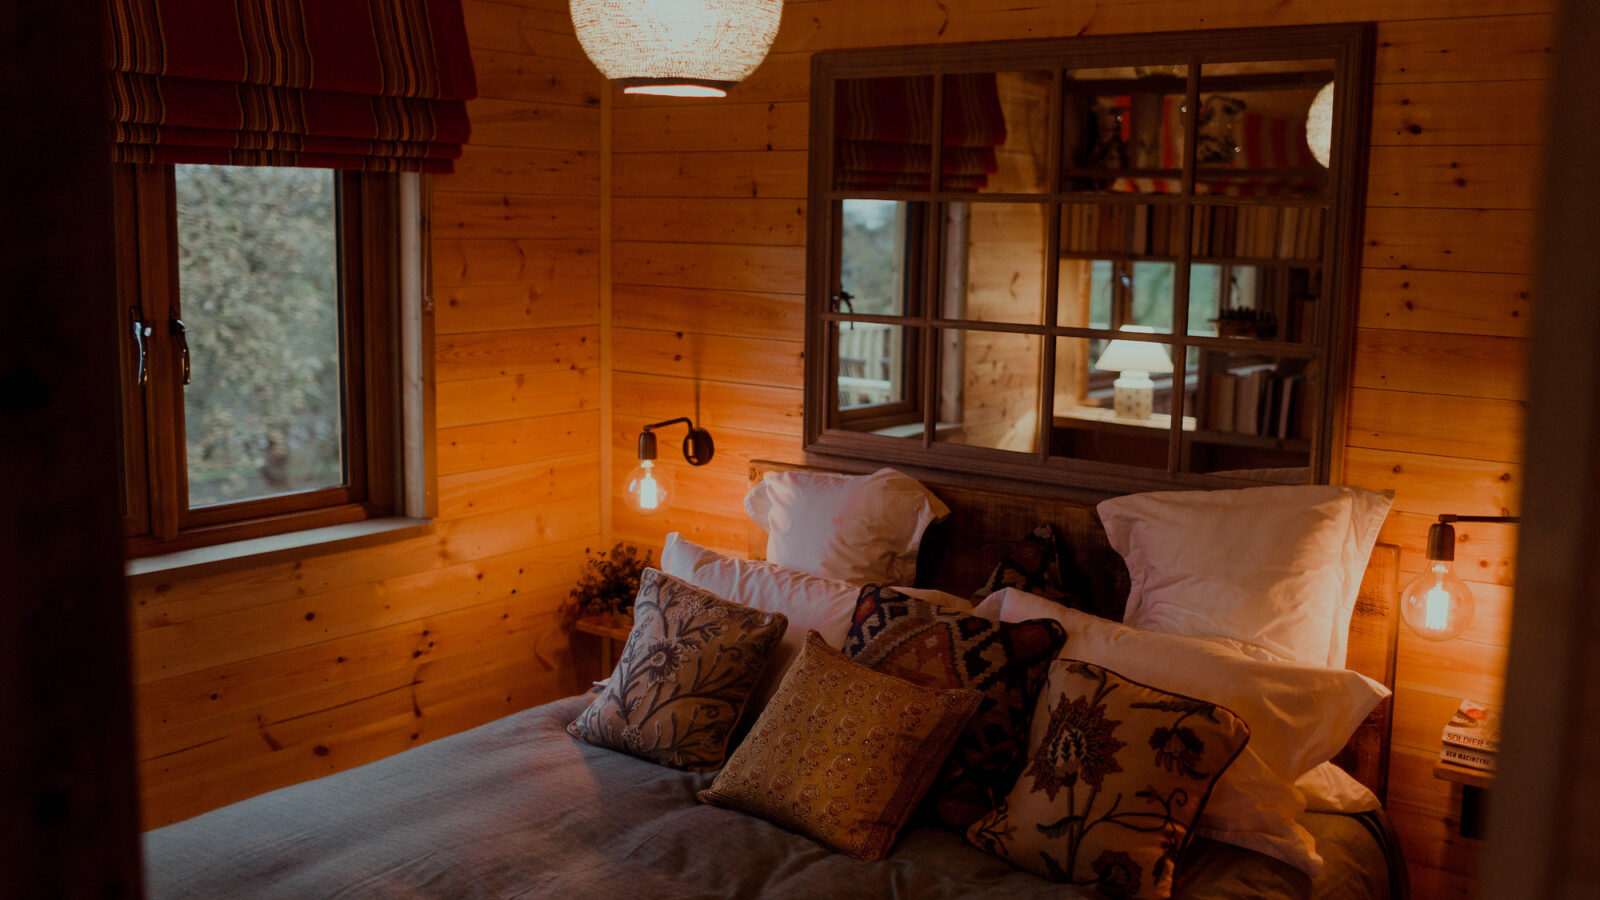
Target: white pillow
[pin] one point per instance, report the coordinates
(1274, 568)
(857, 528)
(809, 602)
(1299, 715)
(1328, 788)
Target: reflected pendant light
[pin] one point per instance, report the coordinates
(680, 48)
(1319, 125)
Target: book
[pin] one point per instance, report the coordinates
(1219, 410)
(1474, 726)
(1472, 759)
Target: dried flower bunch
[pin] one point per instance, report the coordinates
(610, 581)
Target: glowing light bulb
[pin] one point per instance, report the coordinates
(649, 488)
(1437, 605)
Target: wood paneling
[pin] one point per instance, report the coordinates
(266, 676)
(710, 231)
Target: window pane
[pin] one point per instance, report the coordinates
(1254, 415)
(875, 378)
(996, 132)
(1267, 302)
(259, 281)
(1088, 423)
(989, 389)
(883, 130)
(994, 262)
(1251, 140)
(875, 267)
(1123, 129)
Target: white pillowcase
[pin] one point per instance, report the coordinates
(1328, 788)
(1276, 569)
(1299, 715)
(809, 602)
(857, 528)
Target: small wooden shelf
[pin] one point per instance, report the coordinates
(1462, 775)
(1475, 784)
(607, 629)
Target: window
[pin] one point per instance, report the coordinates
(1115, 262)
(259, 348)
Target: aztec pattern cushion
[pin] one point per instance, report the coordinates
(1117, 772)
(1006, 662)
(841, 753)
(1033, 564)
(685, 674)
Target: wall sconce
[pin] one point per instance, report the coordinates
(1133, 361)
(1438, 605)
(649, 489)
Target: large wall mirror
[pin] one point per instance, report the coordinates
(1117, 261)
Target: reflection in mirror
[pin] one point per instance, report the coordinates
(1123, 129)
(883, 133)
(1267, 303)
(878, 265)
(1087, 425)
(995, 132)
(1254, 416)
(989, 389)
(994, 262)
(1251, 136)
(1114, 268)
(875, 375)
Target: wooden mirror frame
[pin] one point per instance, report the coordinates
(1349, 46)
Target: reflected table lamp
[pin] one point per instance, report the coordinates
(1133, 391)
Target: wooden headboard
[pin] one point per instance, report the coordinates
(986, 523)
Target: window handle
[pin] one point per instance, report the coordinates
(176, 328)
(140, 332)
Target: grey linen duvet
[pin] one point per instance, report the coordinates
(518, 809)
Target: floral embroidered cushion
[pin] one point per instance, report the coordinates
(1006, 662)
(685, 674)
(842, 753)
(1115, 777)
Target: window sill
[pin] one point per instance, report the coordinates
(219, 558)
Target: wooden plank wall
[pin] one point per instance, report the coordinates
(268, 676)
(708, 242)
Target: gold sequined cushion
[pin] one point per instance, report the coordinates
(842, 753)
(1116, 775)
(687, 671)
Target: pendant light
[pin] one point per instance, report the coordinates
(678, 48)
(1319, 125)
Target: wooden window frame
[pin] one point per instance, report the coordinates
(1350, 47)
(158, 518)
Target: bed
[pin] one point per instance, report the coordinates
(518, 808)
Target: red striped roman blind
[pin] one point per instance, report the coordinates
(377, 85)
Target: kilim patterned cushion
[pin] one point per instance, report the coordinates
(842, 753)
(1006, 662)
(1033, 564)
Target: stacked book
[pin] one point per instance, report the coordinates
(1472, 736)
(1259, 400)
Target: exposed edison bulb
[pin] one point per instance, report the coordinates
(649, 488)
(1437, 605)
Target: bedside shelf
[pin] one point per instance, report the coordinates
(1475, 784)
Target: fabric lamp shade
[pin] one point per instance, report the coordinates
(1319, 125)
(374, 85)
(680, 48)
(1134, 356)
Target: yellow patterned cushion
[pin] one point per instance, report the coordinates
(842, 753)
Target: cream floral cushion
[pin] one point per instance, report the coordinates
(842, 753)
(689, 667)
(1116, 774)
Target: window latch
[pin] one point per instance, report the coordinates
(843, 299)
(140, 332)
(177, 329)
